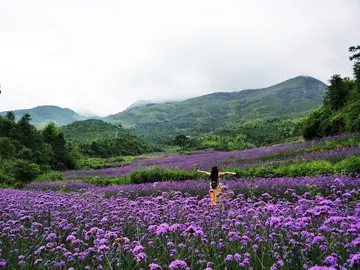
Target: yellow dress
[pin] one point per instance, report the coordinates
(213, 194)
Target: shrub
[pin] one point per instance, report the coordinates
(108, 181)
(316, 167)
(91, 163)
(6, 180)
(348, 165)
(25, 171)
(21, 170)
(160, 174)
(51, 176)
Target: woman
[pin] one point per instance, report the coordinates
(215, 187)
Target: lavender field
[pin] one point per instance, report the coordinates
(307, 223)
(258, 223)
(264, 156)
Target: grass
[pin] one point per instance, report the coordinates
(301, 168)
(161, 174)
(117, 161)
(51, 176)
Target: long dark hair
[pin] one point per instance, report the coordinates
(214, 176)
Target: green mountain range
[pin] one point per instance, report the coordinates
(293, 98)
(42, 115)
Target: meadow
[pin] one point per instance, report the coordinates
(332, 155)
(260, 222)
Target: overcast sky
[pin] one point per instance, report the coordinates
(101, 56)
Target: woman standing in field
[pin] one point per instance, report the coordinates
(215, 186)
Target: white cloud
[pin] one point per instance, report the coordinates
(100, 56)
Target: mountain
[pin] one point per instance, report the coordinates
(295, 97)
(142, 103)
(94, 117)
(42, 115)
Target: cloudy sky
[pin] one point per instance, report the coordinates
(101, 56)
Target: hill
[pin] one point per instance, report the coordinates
(295, 97)
(89, 130)
(42, 115)
(97, 138)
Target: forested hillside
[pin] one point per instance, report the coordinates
(293, 98)
(42, 115)
(341, 107)
(90, 130)
(99, 139)
(25, 152)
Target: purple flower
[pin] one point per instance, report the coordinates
(356, 242)
(355, 260)
(60, 264)
(228, 258)
(321, 268)
(140, 257)
(162, 229)
(70, 238)
(331, 260)
(37, 261)
(178, 264)
(317, 240)
(154, 266)
(237, 257)
(103, 248)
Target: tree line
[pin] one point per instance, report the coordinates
(26, 152)
(340, 111)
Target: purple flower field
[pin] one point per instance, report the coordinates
(280, 223)
(258, 223)
(248, 187)
(242, 159)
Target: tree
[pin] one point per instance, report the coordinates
(54, 137)
(180, 140)
(356, 58)
(10, 116)
(7, 148)
(316, 124)
(49, 133)
(26, 131)
(337, 93)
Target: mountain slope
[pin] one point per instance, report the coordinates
(142, 103)
(89, 130)
(295, 97)
(42, 115)
(97, 138)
